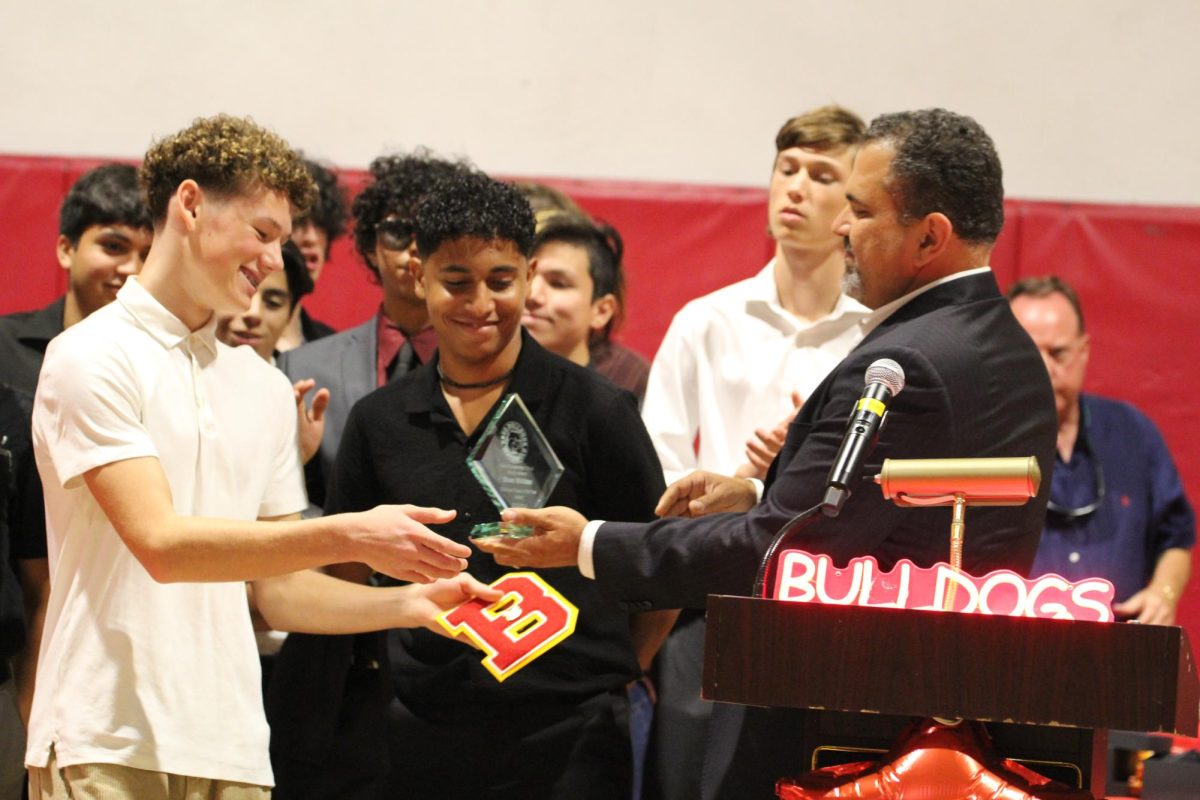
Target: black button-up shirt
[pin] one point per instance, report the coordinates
(403, 445)
(23, 340)
(22, 516)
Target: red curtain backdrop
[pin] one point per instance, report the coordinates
(1131, 265)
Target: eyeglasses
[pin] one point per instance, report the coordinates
(1066, 514)
(394, 234)
(1065, 355)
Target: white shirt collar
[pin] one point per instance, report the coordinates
(876, 318)
(766, 294)
(166, 329)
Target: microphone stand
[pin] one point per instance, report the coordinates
(765, 575)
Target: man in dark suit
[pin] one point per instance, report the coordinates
(925, 205)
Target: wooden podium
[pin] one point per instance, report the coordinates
(1049, 689)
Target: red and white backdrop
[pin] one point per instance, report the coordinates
(1135, 268)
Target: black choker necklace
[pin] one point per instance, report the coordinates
(477, 385)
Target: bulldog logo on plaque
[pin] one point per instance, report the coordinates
(515, 465)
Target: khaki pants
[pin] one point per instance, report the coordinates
(116, 782)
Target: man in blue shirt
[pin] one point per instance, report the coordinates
(1117, 507)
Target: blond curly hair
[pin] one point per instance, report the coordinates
(226, 155)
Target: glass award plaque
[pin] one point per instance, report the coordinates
(515, 465)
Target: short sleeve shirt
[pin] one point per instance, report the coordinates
(154, 676)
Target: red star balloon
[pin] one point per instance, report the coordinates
(931, 760)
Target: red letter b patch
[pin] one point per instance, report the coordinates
(530, 619)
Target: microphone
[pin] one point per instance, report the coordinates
(884, 380)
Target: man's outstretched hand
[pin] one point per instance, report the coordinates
(554, 542)
(557, 530)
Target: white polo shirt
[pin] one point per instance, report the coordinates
(160, 677)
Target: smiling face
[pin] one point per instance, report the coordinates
(807, 192)
(262, 325)
(881, 250)
(559, 311)
(98, 264)
(235, 244)
(475, 291)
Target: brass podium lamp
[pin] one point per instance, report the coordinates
(957, 482)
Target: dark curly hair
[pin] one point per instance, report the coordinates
(106, 195)
(944, 162)
(471, 204)
(329, 211)
(604, 249)
(295, 270)
(398, 184)
(226, 155)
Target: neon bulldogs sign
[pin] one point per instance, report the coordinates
(528, 620)
(806, 578)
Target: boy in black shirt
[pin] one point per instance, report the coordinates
(558, 728)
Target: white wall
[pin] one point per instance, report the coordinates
(1087, 99)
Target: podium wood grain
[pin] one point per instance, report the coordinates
(926, 663)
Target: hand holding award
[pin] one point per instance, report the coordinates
(515, 464)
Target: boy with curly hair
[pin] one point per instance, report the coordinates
(397, 337)
(559, 727)
(172, 478)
